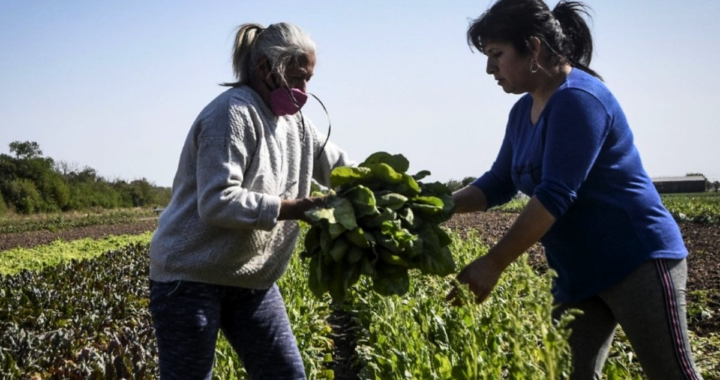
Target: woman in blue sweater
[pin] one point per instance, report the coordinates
(618, 253)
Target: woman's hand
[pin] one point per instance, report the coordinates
(481, 276)
(294, 209)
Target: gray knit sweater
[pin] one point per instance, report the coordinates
(238, 162)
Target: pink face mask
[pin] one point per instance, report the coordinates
(284, 101)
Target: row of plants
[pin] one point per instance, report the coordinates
(40, 257)
(89, 320)
(691, 207)
(68, 220)
(697, 208)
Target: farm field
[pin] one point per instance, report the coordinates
(416, 336)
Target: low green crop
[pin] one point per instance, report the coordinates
(380, 223)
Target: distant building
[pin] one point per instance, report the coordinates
(687, 184)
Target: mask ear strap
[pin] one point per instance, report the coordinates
(329, 125)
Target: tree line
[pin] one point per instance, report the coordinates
(31, 183)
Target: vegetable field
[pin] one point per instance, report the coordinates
(89, 320)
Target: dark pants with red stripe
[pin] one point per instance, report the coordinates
(649, 305)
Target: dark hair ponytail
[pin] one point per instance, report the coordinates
(577, 44)
(563, 31)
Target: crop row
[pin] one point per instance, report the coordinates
(89, 320)
(63, 221)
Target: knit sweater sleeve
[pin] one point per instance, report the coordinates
(224, 147)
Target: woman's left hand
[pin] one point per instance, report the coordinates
(481, 276)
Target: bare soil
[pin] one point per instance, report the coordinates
(33, 238)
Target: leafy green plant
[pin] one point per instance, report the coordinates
(50, 255)
(698, 208)
(381, 222)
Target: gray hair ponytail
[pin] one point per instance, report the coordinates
(282, 44)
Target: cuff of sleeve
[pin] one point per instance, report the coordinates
(555, 206)
(269, 212)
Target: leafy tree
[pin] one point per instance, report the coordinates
(468, 180)
(31, 183)
(25, 149)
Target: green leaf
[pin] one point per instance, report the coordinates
(421, 174)
(390, 258)
(397, 161)
(363, 200)
(391, 280)
(343, 212)
(408, 219)
(393, 201)
(357, 237)
(407, 186)
(435, 258)
(385, 173)
(317, 282)
(312, 241)
(376, 221)
(386, 242)
(319, 214)
(340, 246)
(354, 254)
(444, 238)
(344, 174)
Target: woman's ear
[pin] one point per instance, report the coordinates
(263, 67)
(535, 46)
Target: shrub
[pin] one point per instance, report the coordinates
(3, 206)
(24, 196)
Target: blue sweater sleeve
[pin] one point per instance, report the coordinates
(577, 124)
(497, 184)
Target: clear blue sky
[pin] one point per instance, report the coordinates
(116, 84)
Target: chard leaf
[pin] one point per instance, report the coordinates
(345, 174)
(363, 200)
(357, 237)
(421, 174)
(340, 246)
(393, 201)
(391, 280)
(396, 161)
(343, 212)
(354, 254)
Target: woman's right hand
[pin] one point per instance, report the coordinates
(294, 209)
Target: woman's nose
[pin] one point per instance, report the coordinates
(490, 67)
(301, 85)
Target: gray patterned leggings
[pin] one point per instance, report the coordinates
(188, 315)
(649, 304)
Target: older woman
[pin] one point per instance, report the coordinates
(618, 253)
(226, 237)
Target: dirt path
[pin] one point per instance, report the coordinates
(33, 238)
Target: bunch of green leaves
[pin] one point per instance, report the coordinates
(381, 222)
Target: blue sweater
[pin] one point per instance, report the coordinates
(580, 161)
